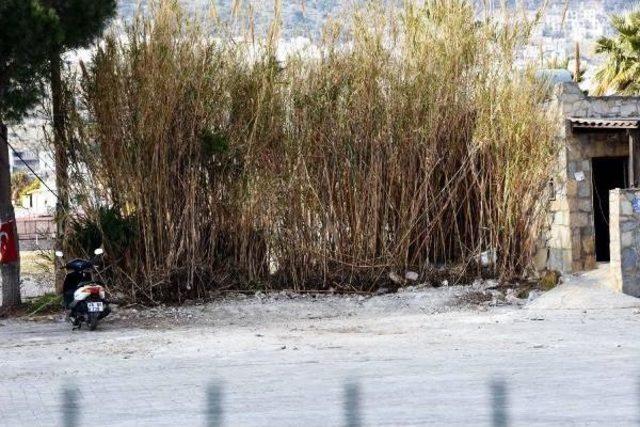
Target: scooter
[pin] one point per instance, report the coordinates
(83, 295)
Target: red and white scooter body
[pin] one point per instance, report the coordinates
(86, 291)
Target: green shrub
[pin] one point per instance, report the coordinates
(44, 304)
(105, 227)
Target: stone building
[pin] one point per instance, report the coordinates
(600, 152)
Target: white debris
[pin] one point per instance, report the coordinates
(411, 275)
(488, 258)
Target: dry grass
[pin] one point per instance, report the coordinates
(401, 141)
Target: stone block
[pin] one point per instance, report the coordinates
(576, 252)
(599, 107)
(571, 98)
(590, 262)
(631, 286)
(614, 257)
(560, 260)
(563, 240)
(616, 283)
(541, 259)
(614, 234)
(566, 260)
(574, 151)
(624, 241)
(629, 110)
(564, 237)
(585, 205)
(555, 259)
(555, 205)
(584, 188)
(560, 218)
(580, 219)
(572, 188)
(629, 260)
(588, 246)
(588, 232)
(566, 88)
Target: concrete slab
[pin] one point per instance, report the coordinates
(553, 368)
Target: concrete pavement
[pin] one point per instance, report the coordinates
(557, 367)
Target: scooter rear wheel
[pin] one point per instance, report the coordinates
(93, 321)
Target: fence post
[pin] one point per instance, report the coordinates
(214, 406)
(499, 396)
(70, 407)
(352, 404)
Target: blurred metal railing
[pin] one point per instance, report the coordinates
(352, 399)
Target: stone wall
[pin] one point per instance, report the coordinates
(574, 103)
(624, 226)
(570, 242)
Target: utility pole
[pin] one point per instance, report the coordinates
(9, 251)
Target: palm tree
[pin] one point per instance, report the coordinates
(620, 73)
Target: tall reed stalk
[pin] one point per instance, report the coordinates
(400, 141)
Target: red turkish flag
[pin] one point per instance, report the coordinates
(8, 243)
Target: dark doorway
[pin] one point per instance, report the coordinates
(608, 173)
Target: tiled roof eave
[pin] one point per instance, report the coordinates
(600, 123)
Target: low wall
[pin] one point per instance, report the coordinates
(39, 244)
(624, 227)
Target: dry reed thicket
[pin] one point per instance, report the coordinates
(399, 141)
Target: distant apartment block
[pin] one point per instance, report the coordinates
(23, 160)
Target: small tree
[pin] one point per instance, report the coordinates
(20, 181)
(26, 28)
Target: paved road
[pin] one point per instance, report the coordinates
(559, 367)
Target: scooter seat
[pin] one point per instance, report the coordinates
(78, 265)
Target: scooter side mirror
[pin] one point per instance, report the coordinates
(99, 251)
(59, 254)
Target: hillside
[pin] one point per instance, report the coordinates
(565, 22)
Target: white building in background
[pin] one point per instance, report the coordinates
(23, 160)
(37, 203)
(36, 164)
(29, 154)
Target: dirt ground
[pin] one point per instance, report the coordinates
(569, 357)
